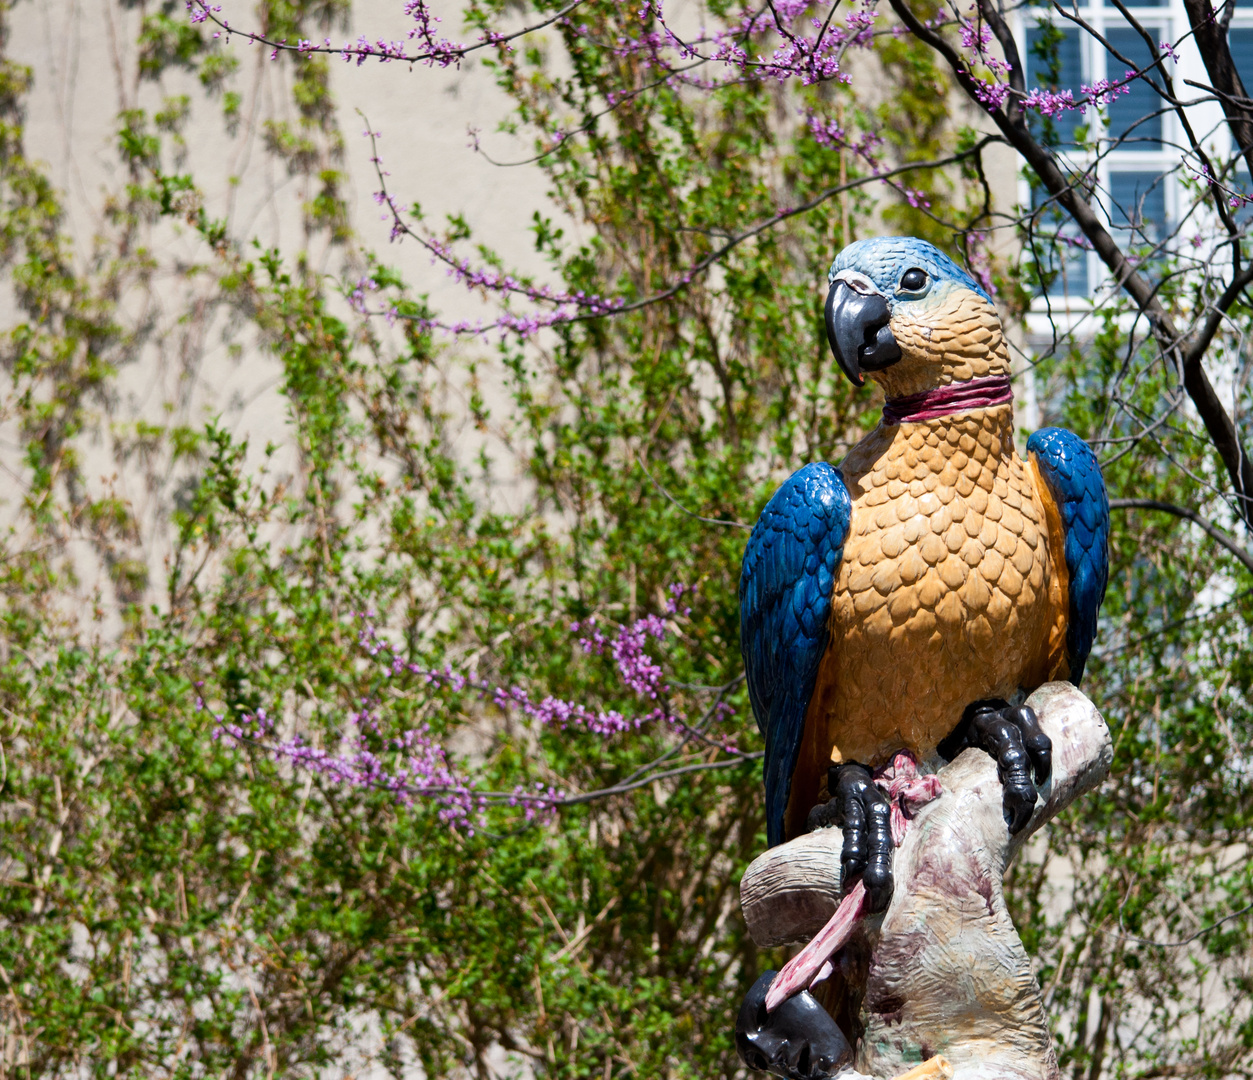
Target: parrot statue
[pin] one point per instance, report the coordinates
(905, 599)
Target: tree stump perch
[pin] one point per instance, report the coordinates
(948, 974)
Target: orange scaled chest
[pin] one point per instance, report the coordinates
(948, 591)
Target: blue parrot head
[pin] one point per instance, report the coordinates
(888, 296)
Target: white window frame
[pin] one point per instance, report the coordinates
(1166, 23)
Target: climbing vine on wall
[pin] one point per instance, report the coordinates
(183, 597)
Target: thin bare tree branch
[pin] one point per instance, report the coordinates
(1219, 536)
(1186, 352)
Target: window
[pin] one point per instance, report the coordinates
(1240, 41)
(1058, 247)
(1123, 154)
(1138, 202)
(1134, 117)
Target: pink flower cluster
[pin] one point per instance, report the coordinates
(1051, 103)
(639, 672)
(411, 765)
(992, 95)
(1103, 92)
(976, 40)
(421, 768)
(830, 133)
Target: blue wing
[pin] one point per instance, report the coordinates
(785, 601)
(1074, 478)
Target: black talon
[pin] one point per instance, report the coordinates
(1038, 745)
(798, 1041)
(861, 810)
(823, 816)
(1011, 735)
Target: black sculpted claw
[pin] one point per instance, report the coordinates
(859, 808)
(1011, 735)
(798, 1041)
(823, 816)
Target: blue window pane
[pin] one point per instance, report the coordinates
(1138, 207)
(1060, 256)
(1240, 41)
(1128, 112)
(1055, 62)
(1138, 3)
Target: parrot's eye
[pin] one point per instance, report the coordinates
(913, 280)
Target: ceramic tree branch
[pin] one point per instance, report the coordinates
(944, 970)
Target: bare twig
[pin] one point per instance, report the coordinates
(621, 789)
(1211, 530)
(1188, 940)
(691, 513)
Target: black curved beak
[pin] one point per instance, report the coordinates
(857, 328)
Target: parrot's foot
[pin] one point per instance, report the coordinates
(799, 1040)
(1011, 735)
(861, 810)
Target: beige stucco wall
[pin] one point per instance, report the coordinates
(83, 56)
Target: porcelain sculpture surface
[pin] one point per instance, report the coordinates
(896, 610)
(945, 974)
(934, 568)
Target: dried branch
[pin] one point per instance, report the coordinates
(1211, 530)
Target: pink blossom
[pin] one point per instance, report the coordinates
(412, 765)
(1051, 103)
(991, 94)
(1103, 92)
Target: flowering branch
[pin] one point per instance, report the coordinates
(434, 52)
(992, 93)
(813, 59)
(421, 768)
(580, 306)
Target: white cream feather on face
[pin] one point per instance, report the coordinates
(903, 313)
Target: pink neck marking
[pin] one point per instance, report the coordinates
(946, 400)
